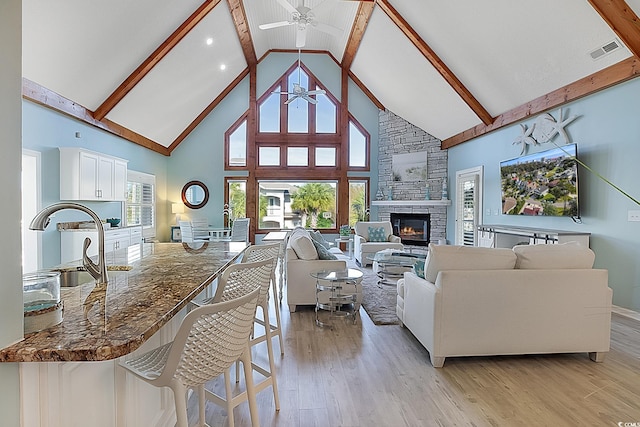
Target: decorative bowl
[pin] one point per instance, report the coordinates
(113, 221)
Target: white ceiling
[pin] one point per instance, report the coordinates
(504, 52)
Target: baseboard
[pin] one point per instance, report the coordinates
(625, 312)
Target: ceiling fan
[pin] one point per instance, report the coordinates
(299, 92)
(303, 17)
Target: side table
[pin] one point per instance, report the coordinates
(349, 243)
(339, 301)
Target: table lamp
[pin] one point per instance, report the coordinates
(177, 208)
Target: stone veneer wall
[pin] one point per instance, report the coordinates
(397, 136)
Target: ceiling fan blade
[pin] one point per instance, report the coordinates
(336, 32)
(301, 36)
(275, 25)
(290, 100)
(309, 99)
(317, 92)
(287, 5)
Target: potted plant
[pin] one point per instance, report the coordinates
(345, 232)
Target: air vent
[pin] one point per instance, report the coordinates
(604, 50)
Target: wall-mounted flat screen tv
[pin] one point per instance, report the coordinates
(541, 184)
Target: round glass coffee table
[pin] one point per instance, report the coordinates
(393, 265)
(331, 294)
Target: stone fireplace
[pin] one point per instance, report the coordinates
(414, 229)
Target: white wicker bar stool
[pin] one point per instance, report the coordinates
(232, 281)
(260, 253)
(210, 339)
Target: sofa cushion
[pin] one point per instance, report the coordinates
(319, 238)
(303, 246)
(418, 268)
(444, 257)
(377, 234)
(323, 253)
(547, 257)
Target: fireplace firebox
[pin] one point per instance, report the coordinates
(412, 228)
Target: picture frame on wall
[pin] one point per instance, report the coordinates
(409, 166)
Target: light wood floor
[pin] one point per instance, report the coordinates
(367, 375)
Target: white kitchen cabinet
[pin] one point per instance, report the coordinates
(71, 241)
(87, 175)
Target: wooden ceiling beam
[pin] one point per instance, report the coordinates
(32, 91)
(622, 20)
(239, 17)
(617, 73)
(208, 110)
(357, 32)
(437, 63)
(366, 91)
(154, 58)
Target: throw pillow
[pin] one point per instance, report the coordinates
(303, 247)
(377, 234)
(323, 253)
(550, 257)
(316, 236)
(418, 269)
(444, 257)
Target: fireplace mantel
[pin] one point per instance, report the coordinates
(411, 202)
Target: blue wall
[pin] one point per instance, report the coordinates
(607, 132)
(45, 130)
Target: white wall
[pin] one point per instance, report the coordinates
(10, 123)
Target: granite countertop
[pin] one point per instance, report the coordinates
(102, 323)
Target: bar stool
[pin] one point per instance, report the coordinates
(232, 281)
(260, 253)
(210, 339)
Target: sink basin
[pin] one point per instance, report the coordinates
(71, 278)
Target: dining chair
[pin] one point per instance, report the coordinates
(186, 232)
(233, 280)
(210, 339)
(200, 229)
(240, 230)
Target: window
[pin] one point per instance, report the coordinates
(357, 201)
(237, 143)
(298, 110)
(358, 143)
(236, 200)
(297, 156)
(299, 203)
(140, 204)
(269, 112)
(325, 114)
(269, 156)
(325, 156)
(468, 205)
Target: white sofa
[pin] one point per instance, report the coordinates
(529, 300)
(301, 258)
(363, 247)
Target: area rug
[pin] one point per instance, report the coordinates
(378, 301)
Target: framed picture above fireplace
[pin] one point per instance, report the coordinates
(409, 166)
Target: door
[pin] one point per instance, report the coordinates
(468, 205)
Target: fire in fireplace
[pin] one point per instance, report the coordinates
(412, 228)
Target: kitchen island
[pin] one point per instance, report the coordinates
(69, 372)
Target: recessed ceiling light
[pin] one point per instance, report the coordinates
(209, 41)
(223, 67)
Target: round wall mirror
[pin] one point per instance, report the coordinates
(195, 194)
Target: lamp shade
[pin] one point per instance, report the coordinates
(177, 208)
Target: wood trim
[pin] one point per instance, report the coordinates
(357, 32)
(239, 17)
(618, 73)
(154, 58)
(208, 110)
(366, 91)
(622, 20)
(32, 91)
(437, 63)
(310, 51)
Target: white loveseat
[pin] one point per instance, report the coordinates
(529, 300)
(302, 258)
(364, 247)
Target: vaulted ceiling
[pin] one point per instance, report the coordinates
(149, 70)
